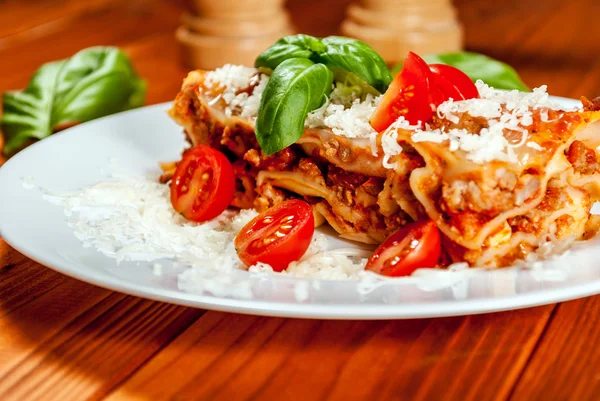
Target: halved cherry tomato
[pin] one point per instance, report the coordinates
(413, 246)
(278, 236)
(417, 91)
(407, 95)
(203, 184)
(450, 82)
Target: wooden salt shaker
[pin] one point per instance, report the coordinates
(395, 27)
(218, 32)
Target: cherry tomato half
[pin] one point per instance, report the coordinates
(203, 184)
(407, 95)
(413, 246)
(278, 236)
(450, 82)
(417, 91)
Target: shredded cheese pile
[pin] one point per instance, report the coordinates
(131, 218)
(234, 79)
(345, 115)
(319, 262)
(504, 111)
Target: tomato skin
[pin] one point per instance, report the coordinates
(203, 184)
(443, 90)
(453, 83)
(278, 236)
(407, 95)
(414, 246)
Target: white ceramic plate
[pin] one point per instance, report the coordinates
(139, 139)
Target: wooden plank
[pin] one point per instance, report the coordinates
(35, 305)
(566, 363)
(228, 356)
(22, 279)
(18, 16)
(117, 25)
(63, 338)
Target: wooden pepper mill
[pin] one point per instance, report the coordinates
(218, 32)
(395, 27)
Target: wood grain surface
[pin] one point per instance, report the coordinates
(62, 339)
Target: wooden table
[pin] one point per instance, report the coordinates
(62, 339)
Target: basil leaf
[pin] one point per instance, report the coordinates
(295, 46)
(296, 87)
(358, 58)
(478, 66)
(26, 114)
(93, 83)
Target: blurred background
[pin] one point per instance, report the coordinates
(552, 42)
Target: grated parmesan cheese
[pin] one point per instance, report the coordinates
(28, 182)
(130, 218)
(319, 262)
(391, 147)
(505, 111)
(349, 120)
(233, 79)
(157, 269)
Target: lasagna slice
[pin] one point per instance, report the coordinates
(500, 175)
(500, 183)
(340, 171)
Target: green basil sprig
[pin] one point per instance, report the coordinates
(292, 93)
(335, 52)
(478, 66)
(296, 87)
(93, 83)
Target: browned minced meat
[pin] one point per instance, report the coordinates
(346, 184)
(310, 169)
(523, 224)
(336, 175)
(582, 158)
(472, 124)
(590, 105)
(373, 186)
(563, 224)
(551, 201)
(468, 223)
